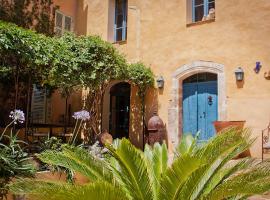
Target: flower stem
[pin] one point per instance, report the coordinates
(6, 129)
(77, 132)
(71, 138)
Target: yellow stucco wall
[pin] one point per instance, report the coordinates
(240, 36)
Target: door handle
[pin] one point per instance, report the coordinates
(203, 116)
(210, 100)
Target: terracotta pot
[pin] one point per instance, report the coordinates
(221, 125)
(19, 197)
(105, 138)
(58, 176)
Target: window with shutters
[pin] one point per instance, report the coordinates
(120, 21)
(63, 23)
(40, 106)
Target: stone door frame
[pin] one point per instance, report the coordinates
(175, 108)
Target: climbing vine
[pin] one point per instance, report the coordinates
(66, 63)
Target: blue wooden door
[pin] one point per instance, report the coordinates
(190, 106)
(200, 108)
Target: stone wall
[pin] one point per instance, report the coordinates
(159, 36)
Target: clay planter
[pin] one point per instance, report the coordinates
(105, 138)
(222, 125)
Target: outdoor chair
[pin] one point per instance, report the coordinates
(265, 141)
(63, 133)
(35, 136)
(37, 133)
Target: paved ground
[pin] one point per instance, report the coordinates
(265, 197)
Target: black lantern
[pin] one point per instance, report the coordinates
(239, 74)
(160, 82)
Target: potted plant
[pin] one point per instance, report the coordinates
(221, 125)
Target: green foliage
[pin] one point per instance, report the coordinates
(187, 145)
(24, 52)
(14, 161)
(95, 191)
(205, 172)
(68, 61)
(51, 143)
(141, 76)
(85, 61)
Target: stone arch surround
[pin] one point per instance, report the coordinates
(175, 107)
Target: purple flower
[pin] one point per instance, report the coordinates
(82, 115)
(17, 116)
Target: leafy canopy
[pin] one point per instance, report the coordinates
(66, 61)
(201, 172)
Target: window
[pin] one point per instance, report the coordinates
(203, 10)
(40, 106)
(120, 22)
(63, 23)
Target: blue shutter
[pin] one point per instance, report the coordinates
(124, 20)
(193, 10)
(115, 20)
(205, 7)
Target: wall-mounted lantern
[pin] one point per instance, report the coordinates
(239, 74)
(160, 82)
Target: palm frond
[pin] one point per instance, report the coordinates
(229, 169)
(187, 144)
(157, 159)
(253, 180)
(175, 177)
(40, 190)
(215, 146)
(216, 154)
(133, 173)
(205, 172)
(79, 160)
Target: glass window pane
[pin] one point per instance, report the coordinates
(58, 31)
(211, 5)
(119, 6)
(58, 21)
(68, 23)
(119, 34)
(199, 2)
(199, 13)
(119, 21)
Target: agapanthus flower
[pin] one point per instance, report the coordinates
(82, 115)
(17, 116)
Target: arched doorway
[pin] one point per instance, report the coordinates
(175, 110)
(119, 110)
(200, 104)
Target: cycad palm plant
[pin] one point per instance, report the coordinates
(205, 171)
